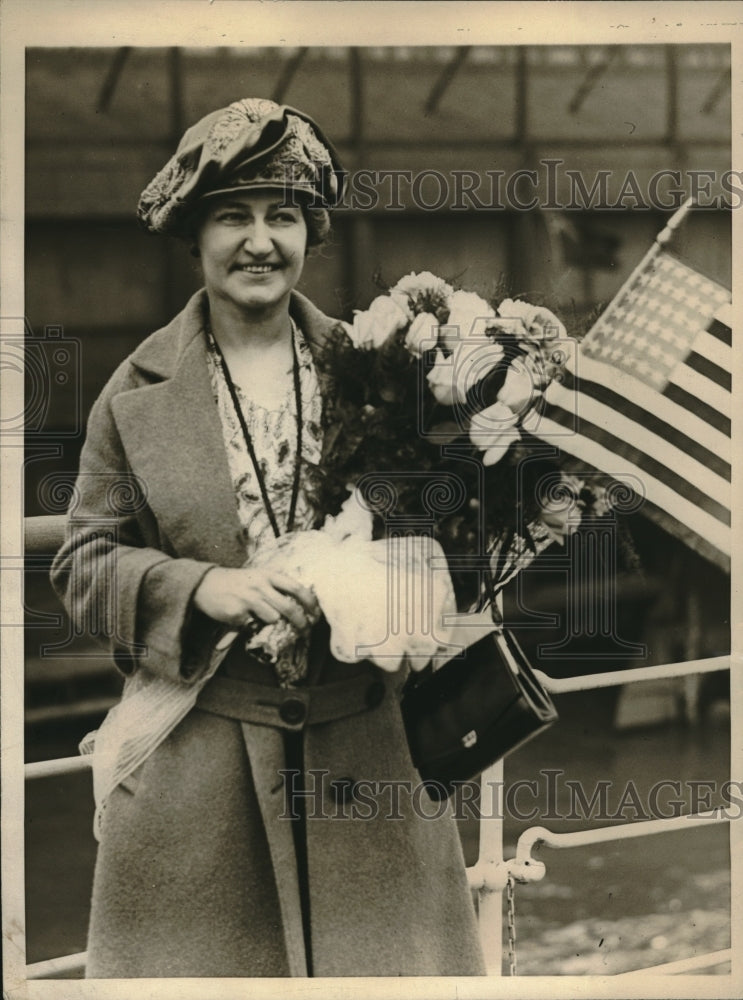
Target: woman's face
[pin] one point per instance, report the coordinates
(252, 248)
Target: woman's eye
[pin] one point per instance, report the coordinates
(230, 216)
(285, 217)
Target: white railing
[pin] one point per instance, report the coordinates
(490, 875)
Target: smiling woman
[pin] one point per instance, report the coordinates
(252, 249)
(208, 771)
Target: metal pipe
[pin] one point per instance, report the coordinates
(612, 678)
(445, 78)
(44, 533)
(63, 765)
(684, 964)
(621, 831)
(287, 74)
(112, 77)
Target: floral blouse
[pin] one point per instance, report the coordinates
(274, 437)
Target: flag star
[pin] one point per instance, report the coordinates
(665, 310)
(682, 298)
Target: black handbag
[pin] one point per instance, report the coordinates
(472, 711)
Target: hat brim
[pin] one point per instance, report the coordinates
(307, 191)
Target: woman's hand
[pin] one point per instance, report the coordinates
(237, 597)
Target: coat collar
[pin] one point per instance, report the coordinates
(173, 436)
(161, 354)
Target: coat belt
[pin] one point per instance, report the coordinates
(290, 708)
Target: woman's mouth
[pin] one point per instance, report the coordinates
(257, 268)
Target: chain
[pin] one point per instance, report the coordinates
(511, 925)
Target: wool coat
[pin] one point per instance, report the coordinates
(197, 873)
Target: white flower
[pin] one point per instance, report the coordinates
(424, 283)
(468, 316)
(354, 519)
(372, 327)
(494, 454)
(540, 323)
(471, 361)
(423, 334)
(441, 380)
(493, 431)
(451, 378)
(402, 301)
(521, 386)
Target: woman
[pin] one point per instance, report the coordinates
(258, 823)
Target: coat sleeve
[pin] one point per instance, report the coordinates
(114, 577)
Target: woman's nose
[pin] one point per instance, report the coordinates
(258, 239)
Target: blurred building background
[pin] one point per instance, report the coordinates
(101, 122)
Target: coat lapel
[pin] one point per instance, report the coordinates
(173, 439)
(316, 327)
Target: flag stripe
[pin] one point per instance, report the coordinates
(685, 476)
(677, 507)
(721, 331)
(692, 420)
(710, 370)
(724, 315)
(711, 348)
(624, 407)
(699, 388)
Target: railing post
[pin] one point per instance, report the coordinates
(491, 857)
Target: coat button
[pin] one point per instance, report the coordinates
(375, 694)
(293, 711)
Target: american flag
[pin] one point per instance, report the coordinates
(648, 398)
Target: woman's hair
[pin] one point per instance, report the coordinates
(318, 226)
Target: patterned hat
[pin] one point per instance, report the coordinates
(253, 143)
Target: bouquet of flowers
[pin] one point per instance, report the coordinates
(427, 392)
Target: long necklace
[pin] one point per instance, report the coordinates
(251, 449)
